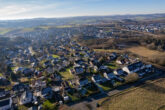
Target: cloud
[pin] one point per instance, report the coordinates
(20, 9)
(12, 10)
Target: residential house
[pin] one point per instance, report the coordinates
(56, 88)
(47, 64)
(65, 85)
(72, 71)
(38, 74)
(4, 82)
(47, 93)
(27, 71)
(113, 56)
(58, 67)
(120, 61)
(94, 62)
(109, 76)
(34, 64)
(66, 98)
(38, 84)
(103, 68)
(133, 68)
(26, 98)
(19, 70)
(79, 62)
(50, 70)
(19, 88)
(79, 70)
(3, 93)
(95, 68)
(118, 72)
(98, 79)
(82, 81)
(6, 104)
(55, 61)
(65, 63)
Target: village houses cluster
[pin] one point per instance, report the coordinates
(63, 71)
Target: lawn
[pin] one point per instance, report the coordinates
(24, 79)
(4, 31)
(13, 68)
(64, 26)
(1, 75)
(150, 96)
(47, 105)
(105, 88)
(92, 89)
(66, 74)
(73, 97)
(27, 29)
(55, 56)
(108, 50)
(113, 65)
(45, 27)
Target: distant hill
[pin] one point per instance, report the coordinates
(27, 23)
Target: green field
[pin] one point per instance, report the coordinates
(4, 31)
(55, 56)
(113, 65)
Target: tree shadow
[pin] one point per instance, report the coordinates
(153, 88)
(161, 108)
(89, 99)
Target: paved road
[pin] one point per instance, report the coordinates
(90, 102)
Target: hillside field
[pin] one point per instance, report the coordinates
(150, 96)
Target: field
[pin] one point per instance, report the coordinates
(4, 31)
(150, 96)
(138, 50)
(108, 50)
(144, 52)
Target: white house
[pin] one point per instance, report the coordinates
(96, 78)
(133, 68)
(66, 98)
(109, 76)
(118, 72)
(120, 62)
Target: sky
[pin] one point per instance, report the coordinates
(25, 9)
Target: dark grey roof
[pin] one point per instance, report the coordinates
(135, 65)
(4, 102)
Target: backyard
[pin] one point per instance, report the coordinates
(66, 74)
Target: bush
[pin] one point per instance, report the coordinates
(47, 105)
(22, 107)
(131, 78)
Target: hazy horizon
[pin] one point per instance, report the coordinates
(28, 9)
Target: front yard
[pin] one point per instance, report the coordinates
(66, 74)
(106, 86)
(113, 65)
(55, 56)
